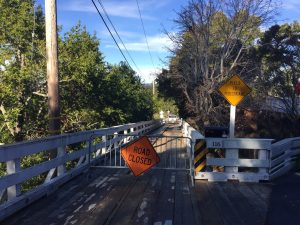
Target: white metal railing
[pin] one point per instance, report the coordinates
(283, 156)
(252, 166)
(91, 145)
(234, 165)
(264, 160)
(191, 133)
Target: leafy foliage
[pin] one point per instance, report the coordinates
(215, 41)
(279, 50)
(93, 93)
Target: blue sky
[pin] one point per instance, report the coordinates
(157, 15)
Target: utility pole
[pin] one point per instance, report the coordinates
(52, 68)
(153, 88)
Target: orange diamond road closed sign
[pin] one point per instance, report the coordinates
(234, 90)
(140, 156)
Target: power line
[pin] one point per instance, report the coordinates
(108, 18)
(137, 2)
(111, 33)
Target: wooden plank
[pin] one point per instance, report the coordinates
(145, 211)
(208, 210)
(242, 176)
(9, 152)
(92, 195)
(15, 178)
(183, 207)
(282, 158)
(19, 150)
(263, 191)
(102, 210)
(225, 205)
(166, 198)
(258, 205)
(238, 162)
(124, 213)
(239, 143)
(244, 210)
(24, 200)
(42, 210)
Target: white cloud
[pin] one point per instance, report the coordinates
(158, 43)
(126, 9)
(148, 74)
(291, 5)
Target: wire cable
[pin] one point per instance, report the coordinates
(108, 18)
(111, 33)
(137, 2)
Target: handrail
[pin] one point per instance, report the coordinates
(91, 144)
(193, 134)
(284, 155)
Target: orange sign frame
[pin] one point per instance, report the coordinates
(140, 155)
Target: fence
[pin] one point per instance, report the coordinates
(189, 132)
(75, 152)
(284, 156)
(239, 159)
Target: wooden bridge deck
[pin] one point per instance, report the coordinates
(159, 197)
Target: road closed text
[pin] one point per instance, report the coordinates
(141, 156)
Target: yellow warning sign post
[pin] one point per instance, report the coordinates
(234, 90)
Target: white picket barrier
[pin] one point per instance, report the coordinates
(234, 166)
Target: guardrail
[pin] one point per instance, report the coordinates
(284, 156)
(191, 133)
(239, 159)
(242, 159)
(75, 153)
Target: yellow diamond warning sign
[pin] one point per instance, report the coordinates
(234, 90)
(140, 155)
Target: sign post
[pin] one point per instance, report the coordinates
(234, 91)
(232, 121)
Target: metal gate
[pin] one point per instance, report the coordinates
(175, 152)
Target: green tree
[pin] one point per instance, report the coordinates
(125, 98)
(22, 70)
(214, 42)
(81, 70)
(279, 51)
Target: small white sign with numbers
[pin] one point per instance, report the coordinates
(214, 143)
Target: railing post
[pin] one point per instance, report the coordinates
(61, 151)
(116, 143)
(13, 166)
(102, 150)
(192, 167)
(262, 155)
(142, 128)
(125, 137)
(231, 154)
